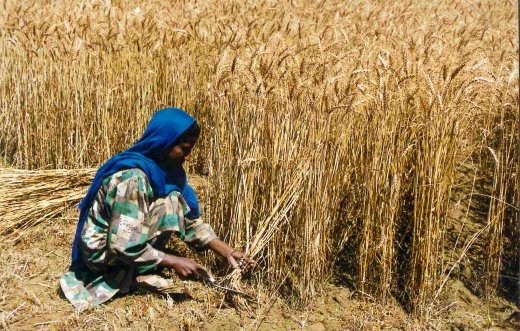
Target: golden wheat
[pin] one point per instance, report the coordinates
(382, 103)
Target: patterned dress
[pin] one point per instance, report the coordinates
(124, 237)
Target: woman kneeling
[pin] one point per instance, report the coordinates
(136, 201)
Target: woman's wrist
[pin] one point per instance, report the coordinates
(230, 252)
(220, 247)
(168, 260)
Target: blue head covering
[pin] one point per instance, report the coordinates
(161, 134)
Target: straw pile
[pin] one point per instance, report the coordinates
(27, 198)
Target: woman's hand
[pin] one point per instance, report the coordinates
(236, 259)
(185, 267)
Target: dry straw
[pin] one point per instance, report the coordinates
(28, 198)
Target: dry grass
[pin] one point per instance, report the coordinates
(374, 106)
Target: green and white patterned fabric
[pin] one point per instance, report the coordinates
(124, 237)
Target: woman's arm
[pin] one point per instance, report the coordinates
(187, 267)
(235, 258)
(184, 267)
(201, 236)
(129, 230)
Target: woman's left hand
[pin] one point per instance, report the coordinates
(236, 259)
(239, 260)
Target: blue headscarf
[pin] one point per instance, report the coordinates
(161, 134)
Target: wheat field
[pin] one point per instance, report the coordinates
(349, 130)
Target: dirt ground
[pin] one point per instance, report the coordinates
(30, 299)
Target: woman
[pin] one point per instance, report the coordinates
(137, 199)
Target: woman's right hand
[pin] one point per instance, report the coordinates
(185, 267)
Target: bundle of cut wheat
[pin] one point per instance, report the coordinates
(27, 198)
(266, 229)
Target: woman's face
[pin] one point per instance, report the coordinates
(179, 153)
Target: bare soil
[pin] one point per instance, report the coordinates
(30, 299)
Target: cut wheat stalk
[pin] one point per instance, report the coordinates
(265, 231)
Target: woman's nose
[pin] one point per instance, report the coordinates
(187, 157)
